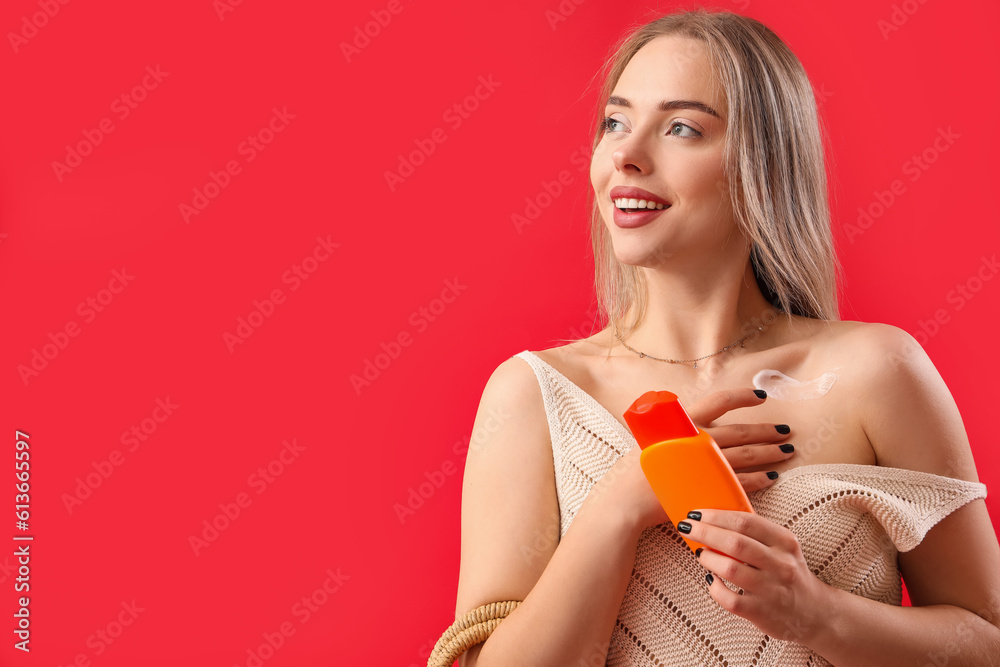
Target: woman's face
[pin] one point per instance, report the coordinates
(674, 154)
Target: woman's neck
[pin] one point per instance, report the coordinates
(688, 319)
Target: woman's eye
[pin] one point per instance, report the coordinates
(607, 125)
(693, 132)
(614, 125)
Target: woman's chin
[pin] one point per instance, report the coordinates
(645, 257)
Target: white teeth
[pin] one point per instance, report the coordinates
(625, 202)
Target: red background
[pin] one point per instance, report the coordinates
(884, 98)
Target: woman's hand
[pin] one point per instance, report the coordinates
(627, 490)
(780, 594)
(744, 445)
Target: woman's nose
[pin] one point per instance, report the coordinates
(631, 154)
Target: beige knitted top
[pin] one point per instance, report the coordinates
(851, 521)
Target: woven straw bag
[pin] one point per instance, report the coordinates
(473, 628)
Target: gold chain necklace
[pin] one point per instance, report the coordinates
(707, 356)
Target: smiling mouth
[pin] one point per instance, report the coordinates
(631, 205)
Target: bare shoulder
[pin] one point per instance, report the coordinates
(510, 512)
(511, 424)
(908, 412)
(514, 387)
(872, 338)
(870, 349)
(881, 356)
(836, 333)
(572, 358)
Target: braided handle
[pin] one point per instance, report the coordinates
(473, 628)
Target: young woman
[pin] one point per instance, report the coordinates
(717, 277)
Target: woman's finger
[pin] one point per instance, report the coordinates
(752, 481)
(747, 456)
(735, 544)
(747, 434)
(727, 599)
(742, 535)
(740, 574)
(718, 403)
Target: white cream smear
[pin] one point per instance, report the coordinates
(784, 388)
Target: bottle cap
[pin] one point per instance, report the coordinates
(657, 416)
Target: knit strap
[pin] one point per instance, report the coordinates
(475, 627)
(551, 399)
(906, 503)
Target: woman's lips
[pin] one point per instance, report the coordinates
(636, 218)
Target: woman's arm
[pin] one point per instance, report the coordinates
(572, 589)
(859, 631)
(952, 576)
(569, 615)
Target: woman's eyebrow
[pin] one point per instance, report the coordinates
(667, 105)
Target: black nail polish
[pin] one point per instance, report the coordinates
(684, 527)
(697, 552)
(694, 515)
(788, 449)
(709, 578)
(772, 475)
(782, 428)
(760, 393)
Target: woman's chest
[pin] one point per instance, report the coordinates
(821, 407)
(823, 430)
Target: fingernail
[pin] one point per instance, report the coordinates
(709, 578)
(760, 393)
(782, 428)
(684, 527)
(772, 475)
(697, 552)
(788, 449)
(695, 515)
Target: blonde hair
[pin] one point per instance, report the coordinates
(774, 163)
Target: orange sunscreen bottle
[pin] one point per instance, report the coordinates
(684, 466)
